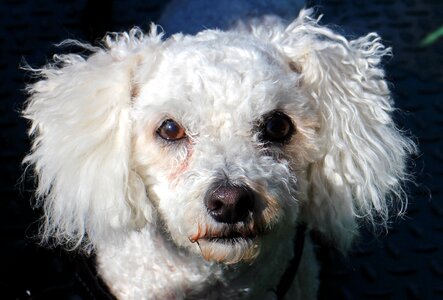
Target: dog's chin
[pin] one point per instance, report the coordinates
(229, 248)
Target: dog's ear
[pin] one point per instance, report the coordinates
(363, 156)
(80, 113)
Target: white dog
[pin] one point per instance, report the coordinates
(193, 165)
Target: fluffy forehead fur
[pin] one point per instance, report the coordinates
(104, 171)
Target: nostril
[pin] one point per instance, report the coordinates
(214, 205)
(230, 204)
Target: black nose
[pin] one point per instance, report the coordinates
(230, 204)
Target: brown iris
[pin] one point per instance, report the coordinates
(171, 131)
(277, 128)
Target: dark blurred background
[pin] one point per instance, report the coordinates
(406, 263)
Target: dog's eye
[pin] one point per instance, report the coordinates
(171, 131)
(277, 128)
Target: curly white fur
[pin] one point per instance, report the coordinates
(108, 183)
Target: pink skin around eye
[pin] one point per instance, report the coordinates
(183, 166)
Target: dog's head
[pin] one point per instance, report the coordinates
(223, 139)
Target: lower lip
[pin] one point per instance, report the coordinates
(229, 240)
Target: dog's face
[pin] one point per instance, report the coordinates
(227, 138)
(223, 132)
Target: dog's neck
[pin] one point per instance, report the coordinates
(147, 263)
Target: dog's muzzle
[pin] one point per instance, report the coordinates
(234, 224)
(233, 208)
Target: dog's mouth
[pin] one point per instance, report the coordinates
(228, 245)
(231, 237)
(226, 236)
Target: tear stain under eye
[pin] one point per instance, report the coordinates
(183, 166)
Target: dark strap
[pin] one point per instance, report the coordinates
(288, 276)
(86, 275)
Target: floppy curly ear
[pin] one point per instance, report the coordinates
(80, 113)
(363, 156)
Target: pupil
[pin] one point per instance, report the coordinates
(171, 128)
(277, 128)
